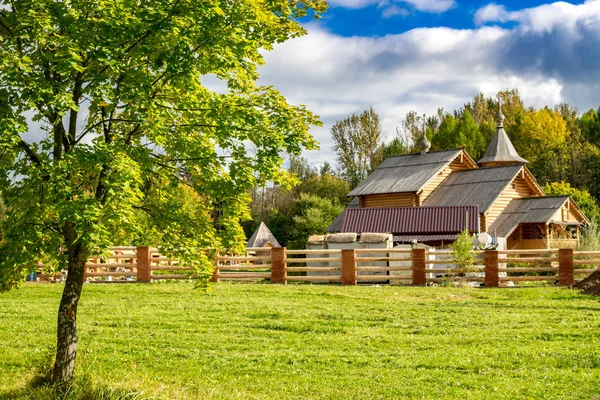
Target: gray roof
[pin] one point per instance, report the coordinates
(261, 237)
(336, 225)
(530, 210)
(405, 173)
(501, 148)
(474, 187)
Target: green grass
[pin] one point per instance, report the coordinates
(301, 341)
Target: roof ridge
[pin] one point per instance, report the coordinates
(429, 152)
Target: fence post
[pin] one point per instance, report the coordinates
(348, 267)
(490, 258)
(215, 275)
(278, 265)
(419, 277)
(144, 264)
(565, 267)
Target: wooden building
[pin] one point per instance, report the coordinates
(511, 206)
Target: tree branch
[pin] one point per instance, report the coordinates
(30, 153)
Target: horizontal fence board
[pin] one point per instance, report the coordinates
(527, 259)
(586, 262)
(583, 271)
(258, 249)
(171, 268)
(395, 251)
(314, 278)
(243, 266)
(361, 278)
(378, 259)
(166, 276)
(586, 253)
(468, 279)
(304, 252)
(308, 260)
(450, 270)
(383, 269)
(529, 251)
(528, 278)
(532, 269)
(449, 261)
(161, 258)
(313, 269)
(255, 275)
(243, 258)
(95, 274)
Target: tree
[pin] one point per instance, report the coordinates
(540, 137)
(590, 125)
(117, 88)
(300, 167)
(326, 186)
(468, 131)
(311, 216)
(462, 254)
(357, 139)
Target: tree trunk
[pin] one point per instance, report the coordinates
(66, 333)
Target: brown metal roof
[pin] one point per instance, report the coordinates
(405, 173)
(425, 238)
(407, 220)
(480, 187)
(533, 210)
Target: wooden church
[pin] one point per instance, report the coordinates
(430, 197)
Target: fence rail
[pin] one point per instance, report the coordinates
(395, 266)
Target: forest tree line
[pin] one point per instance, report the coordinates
(561, 144)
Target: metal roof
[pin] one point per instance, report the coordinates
(534, 210)
(425, 238)
(480, 187)
(261, 237)
(406, 220)
(405, 173)
(501, 148)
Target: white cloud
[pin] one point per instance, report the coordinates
(491, 13)
(393, 11)
(549, 59)
(389, 6)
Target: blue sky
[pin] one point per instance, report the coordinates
(378, 19)
(402, 55)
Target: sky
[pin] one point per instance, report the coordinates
(402, 55)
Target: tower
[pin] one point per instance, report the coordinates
(501, 150)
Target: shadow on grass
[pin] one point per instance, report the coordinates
(82, 388)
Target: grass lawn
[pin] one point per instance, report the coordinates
(300, 341)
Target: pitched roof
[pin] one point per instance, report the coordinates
(480, 187)
(501, 149)
(528, 210)
(261, 236)
(407, 220)
(405, 173)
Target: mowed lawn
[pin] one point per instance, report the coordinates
(265, 341)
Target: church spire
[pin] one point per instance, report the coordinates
(501, 150)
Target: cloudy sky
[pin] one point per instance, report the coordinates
(401, 55)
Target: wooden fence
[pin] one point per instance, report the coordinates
(350, 267)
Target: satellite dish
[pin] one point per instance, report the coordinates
(485, 239)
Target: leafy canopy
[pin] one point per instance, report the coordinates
(108, 132)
